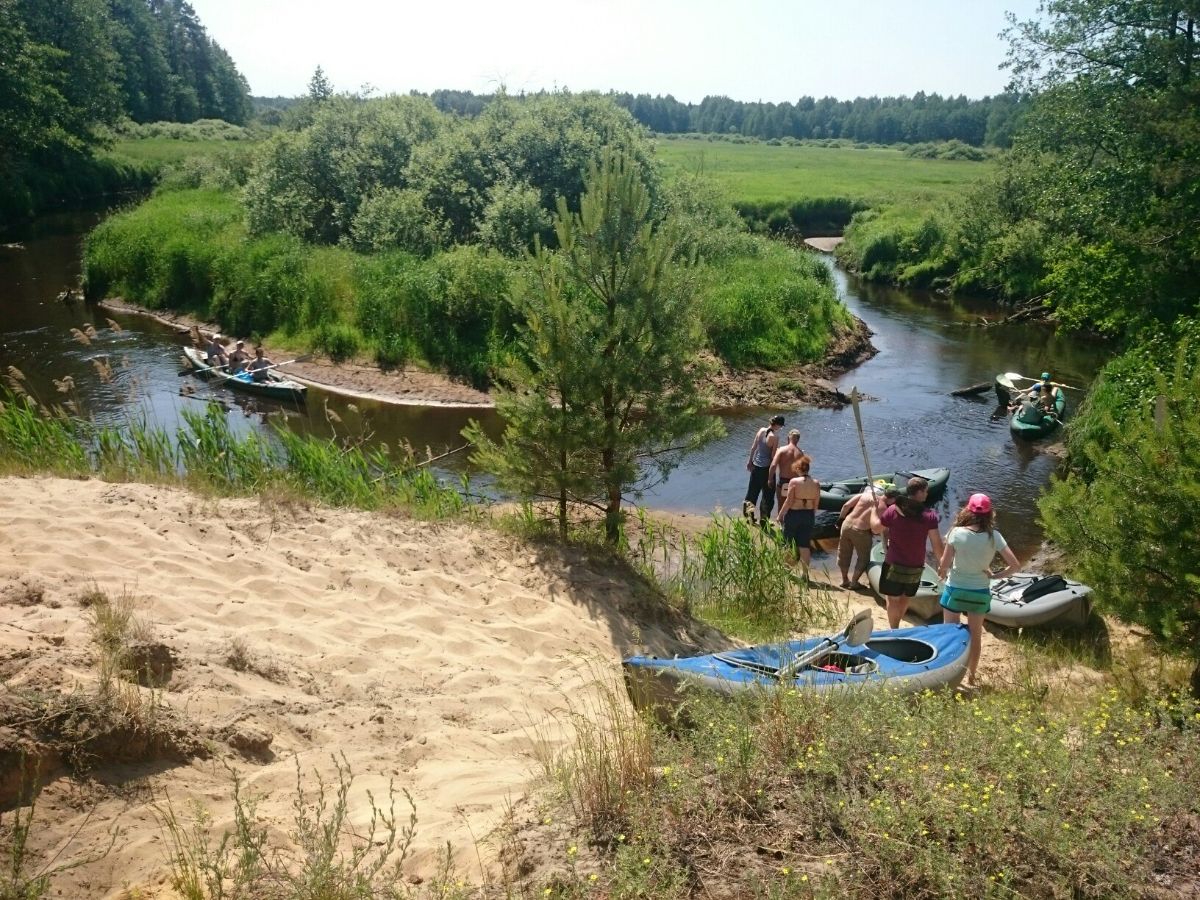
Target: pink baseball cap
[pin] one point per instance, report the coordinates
(980, 503)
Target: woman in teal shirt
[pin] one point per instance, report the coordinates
(971, 546)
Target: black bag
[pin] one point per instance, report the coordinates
(1047, 584)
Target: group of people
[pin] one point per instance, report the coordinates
(1039, 401)
(237, 360)
(909, 532)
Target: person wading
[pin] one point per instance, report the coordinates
(906, 527)
(762, 451)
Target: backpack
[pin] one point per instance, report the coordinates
(1047, 584)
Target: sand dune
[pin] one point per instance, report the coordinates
(427, 654)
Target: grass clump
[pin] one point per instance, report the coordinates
(872, 794)
(321, 856)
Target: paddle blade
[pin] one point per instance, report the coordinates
(858, 632)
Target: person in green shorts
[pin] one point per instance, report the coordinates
(971, 545)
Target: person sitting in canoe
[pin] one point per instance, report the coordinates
(214, 351)
(238, 358)
(259, 365)
(1029, 410)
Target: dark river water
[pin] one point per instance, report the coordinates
(927, 345)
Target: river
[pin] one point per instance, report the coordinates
(928, 345)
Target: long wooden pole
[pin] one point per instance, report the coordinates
(862, 441)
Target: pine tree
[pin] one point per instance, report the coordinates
(606, 398)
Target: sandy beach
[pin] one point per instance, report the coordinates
(434, 656)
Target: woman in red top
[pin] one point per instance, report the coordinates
(907, 524)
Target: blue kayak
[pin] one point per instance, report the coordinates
(904, 659)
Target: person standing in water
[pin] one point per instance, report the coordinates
(906, 527)
(762, 451)
(799, 510)
(971, 545)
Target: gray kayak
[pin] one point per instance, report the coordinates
(1024, 600)
(275, 386)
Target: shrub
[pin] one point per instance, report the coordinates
(339, 342)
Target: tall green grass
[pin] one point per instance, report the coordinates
(204, 452)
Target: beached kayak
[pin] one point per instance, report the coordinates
(904, 659)
(1024, 600)
(275, 386)
(835, 494)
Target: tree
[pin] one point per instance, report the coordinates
(605, 398)
(1129, 523)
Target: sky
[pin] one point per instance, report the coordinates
(768, 50)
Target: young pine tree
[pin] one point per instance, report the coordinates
(605, 398)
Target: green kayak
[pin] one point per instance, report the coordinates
(1032, 431)
(835, 494)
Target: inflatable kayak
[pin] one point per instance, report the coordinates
(835, 494)
(904, 659)
(1046, 425)
(1023, 600)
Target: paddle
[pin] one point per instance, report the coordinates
(855, 634)
(196, 371)
(286, 362)
(1011, 375)
(862, 442)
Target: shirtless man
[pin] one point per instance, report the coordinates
(860, 520)
(781, 466)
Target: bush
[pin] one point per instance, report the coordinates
(338, 342)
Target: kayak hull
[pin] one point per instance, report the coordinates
(276, 386)
(907, 660)
(836, 494)
(1068, 607)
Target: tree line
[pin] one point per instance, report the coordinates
(879, 120)
(70, 67)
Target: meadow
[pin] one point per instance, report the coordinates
(757, 175)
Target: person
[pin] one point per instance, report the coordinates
(258, 365)
(214, 351)
(1029, 409)
(906, 527)
(859, 520)
(238, 358)
(762, 451)
(781, 467)
(1049, 394)
(971, 545)
(799, 510)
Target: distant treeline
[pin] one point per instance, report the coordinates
(922, 118)
(68, 68)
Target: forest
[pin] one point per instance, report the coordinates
(73, 68)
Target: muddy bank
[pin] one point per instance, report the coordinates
(803, 384)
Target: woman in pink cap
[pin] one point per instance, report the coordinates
(971, 546)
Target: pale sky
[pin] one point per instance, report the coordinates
(770, 50)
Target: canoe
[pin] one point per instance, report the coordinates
(835, 494)
(1024, 600)
(904, 659)
(276, 386)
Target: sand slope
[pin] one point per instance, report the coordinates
(423, 653)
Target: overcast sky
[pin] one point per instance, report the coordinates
(769, 50)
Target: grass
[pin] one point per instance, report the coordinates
(161, 152)
(760, 174)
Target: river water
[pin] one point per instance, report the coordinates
(928, 346)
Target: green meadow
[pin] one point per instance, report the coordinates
(760, 178)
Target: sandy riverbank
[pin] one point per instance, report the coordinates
(434, 655)
(802, 384)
